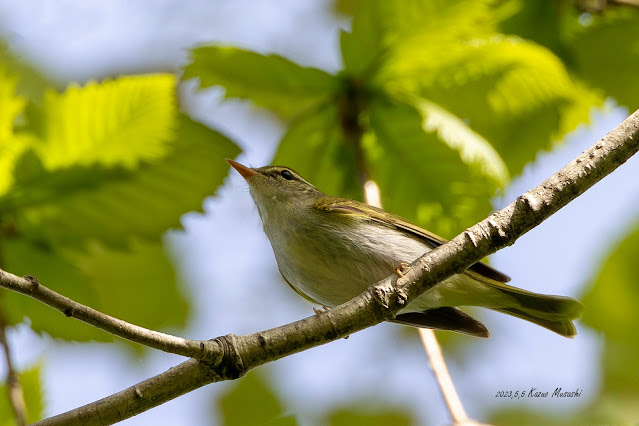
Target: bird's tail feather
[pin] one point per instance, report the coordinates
(446, 318)
(555, 313)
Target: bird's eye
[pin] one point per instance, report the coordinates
(287, 175)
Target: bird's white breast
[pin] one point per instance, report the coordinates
(329, 267)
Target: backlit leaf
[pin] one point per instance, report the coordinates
(420, 176)
(269, 81)
(114, 123)
(378, 26)
(606, 55)
(113, 205)
(138, 285)
(313, 146)
(514, 93)
(11, 145)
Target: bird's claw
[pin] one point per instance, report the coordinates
(403, 266)
(320, 311)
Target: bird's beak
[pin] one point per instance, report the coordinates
(246, 172)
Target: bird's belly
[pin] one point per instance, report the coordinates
(331, 269)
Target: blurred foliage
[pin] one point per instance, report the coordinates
(90, 179)
(434, 102)
(33, 397)
(250, 401)
(32, 83)
(370, 416)
(599, 46)
(440, 101)
(611, 300)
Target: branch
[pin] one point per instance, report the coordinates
(30, 286)
(15, 394)
(238, 354)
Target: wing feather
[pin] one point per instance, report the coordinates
(346, 206)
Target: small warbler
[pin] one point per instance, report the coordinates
(330, 249)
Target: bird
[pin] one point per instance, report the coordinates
(330, 249)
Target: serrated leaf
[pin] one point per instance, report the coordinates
(33, 393)
(114, 205)
(251, 402)
(137, 285)
(378, 25)
(269, 81)
(11, 145)
(474, 150)
(606, 55)
(115, 123)
(314, 146)
(420, 176)
(57, 273)
(513, 92)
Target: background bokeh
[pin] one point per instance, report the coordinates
(228, 273)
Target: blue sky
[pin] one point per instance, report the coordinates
(79, 40)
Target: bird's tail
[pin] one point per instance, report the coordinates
(555, 313)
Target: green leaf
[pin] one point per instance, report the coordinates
(58, 273)
(474, 150)
(11, 145)
(606, 55)
(523, 18)
(269, 81)
(137, 285)
(251, 402)
(32, 390)
(114, 205)
(514, 93)
(370, 416)
(31, 82)
(611, 308)
(314, 146)
(420, 176)
(438, 171)
(115, 123)
(379, 25)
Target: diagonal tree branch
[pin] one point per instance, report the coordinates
(232, 356)
(30, 286)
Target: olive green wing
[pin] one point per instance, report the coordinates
(363, 211)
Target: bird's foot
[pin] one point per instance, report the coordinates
(403, 266)
(320, 311)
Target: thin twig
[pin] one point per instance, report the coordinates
(372, 196)
(30, 286)
(632, 3)
(14, 388)
(239, 354)
(446, 385)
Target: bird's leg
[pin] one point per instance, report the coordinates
(320, 311)
(403, 266)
